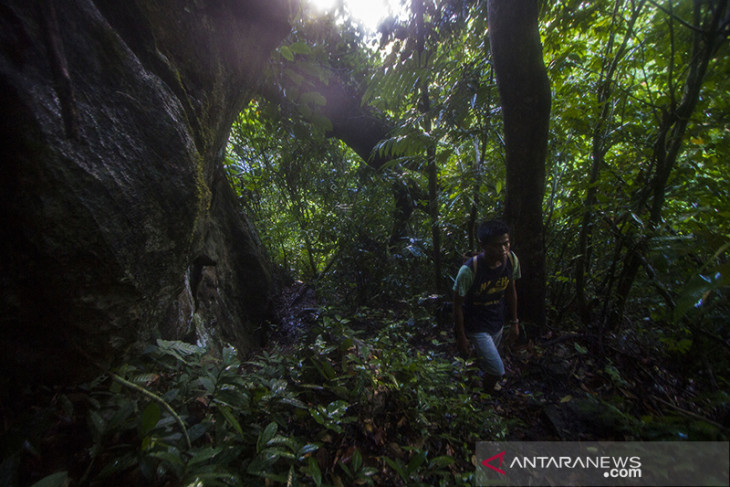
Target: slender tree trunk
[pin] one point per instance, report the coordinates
(708, 34)
(433, 194)
(404, 206)
(524, 90)
(479, 147)
(473, 223)
(433, 213)
(601, 145)
(432, 169)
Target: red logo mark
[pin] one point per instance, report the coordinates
(496, 469)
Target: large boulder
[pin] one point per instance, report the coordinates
(118, 223)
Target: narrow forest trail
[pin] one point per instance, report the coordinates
(352, 396)
(560, 387)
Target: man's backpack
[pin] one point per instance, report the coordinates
(475, 259)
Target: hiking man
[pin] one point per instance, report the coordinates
(484, 287)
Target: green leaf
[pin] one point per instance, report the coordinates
(171, 457)
(179, 346)
(207, 384)
(230, 419)
(286, 53)
(418, 459)
(324, 368)
(150, 417)
(144, 378)
(307, 449)
(305, 110)
(615, 375)
(119, 464)
(292, 401)
(58, 479)
(207, 453)
(313, 98)
(699, 287)
(321, 121)
(300, 48)
(397, 466)
(314, 471)
(337, 409)
(297, 78)
(266, 435)
(198, 430)
(216, 478)
(233, 397)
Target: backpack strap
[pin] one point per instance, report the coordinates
(474, 264)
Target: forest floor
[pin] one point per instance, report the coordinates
(563, 385)
(374, 396)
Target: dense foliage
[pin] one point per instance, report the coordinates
(379, 398)
(636, 208)
(391, 210)
(371, 400)
(637, 221)
(635, 216)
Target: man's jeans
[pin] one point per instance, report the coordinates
(486, 344)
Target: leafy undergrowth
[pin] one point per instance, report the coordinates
(378, 398)
(342, 406)
(572, 387)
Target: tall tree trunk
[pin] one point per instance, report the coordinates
(524, 90)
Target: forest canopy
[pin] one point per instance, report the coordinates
(636, 202)
(598, 130)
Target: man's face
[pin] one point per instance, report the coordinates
(498, 247)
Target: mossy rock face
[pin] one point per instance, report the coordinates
(114, 206)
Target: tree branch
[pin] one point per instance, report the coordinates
(678, 19)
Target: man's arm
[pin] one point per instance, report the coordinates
(461, 342)
(511, 297)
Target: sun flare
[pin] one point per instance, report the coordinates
(369, 13)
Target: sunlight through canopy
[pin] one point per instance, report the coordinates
(369, 13)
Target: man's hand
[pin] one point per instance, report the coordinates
(512, 333)
(515, 328)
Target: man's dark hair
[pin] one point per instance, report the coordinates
(491, 229)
